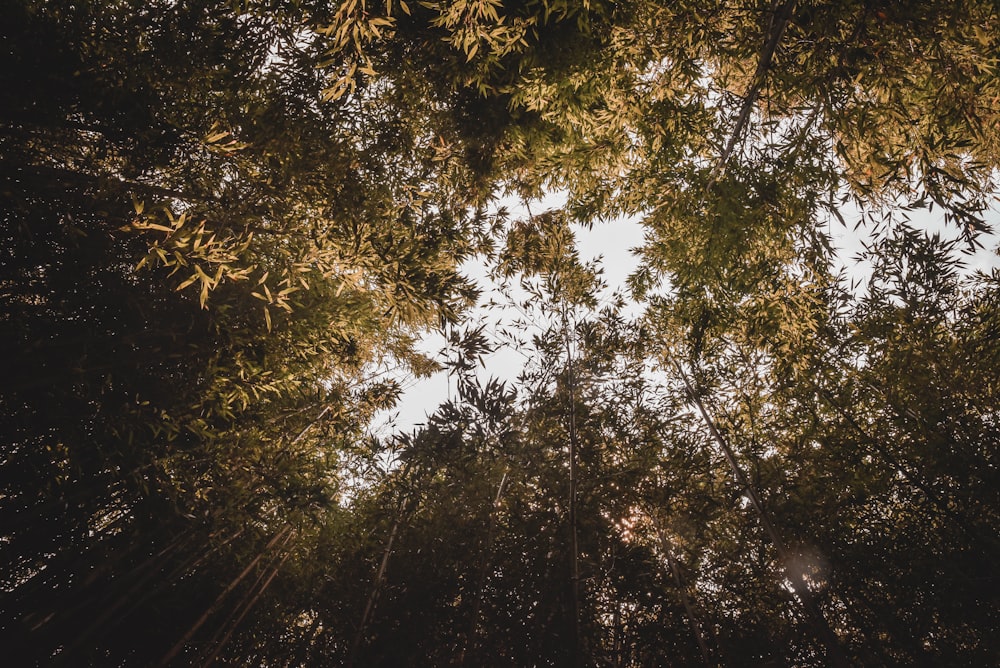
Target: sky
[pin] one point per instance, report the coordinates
(613, 244)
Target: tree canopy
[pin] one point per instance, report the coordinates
(225, 227)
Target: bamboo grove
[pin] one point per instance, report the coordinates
(220, 219)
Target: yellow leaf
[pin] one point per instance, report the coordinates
(189, 281)
(204, 277)
(153, 226)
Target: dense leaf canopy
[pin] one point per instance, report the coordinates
(225, 226)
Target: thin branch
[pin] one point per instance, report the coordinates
(71, 177)
(909, 476)
(779, 21)
(358, 641)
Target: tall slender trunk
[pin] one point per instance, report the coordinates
(780, 15)
(246, 608)
(140, 576)
(248, 595)
(685, 599)
(132, 599)
(175, 650)
(799, 586)
(376, 587)
(574, 540)
(473, 637)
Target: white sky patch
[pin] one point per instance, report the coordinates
(850, 241)
(613, 244)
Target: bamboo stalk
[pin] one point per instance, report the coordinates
(246, 608)
(685, 599)
(175, 650)
(376, 587)
(473, 638)
(779, 21)
(800, 588)
(574, 539)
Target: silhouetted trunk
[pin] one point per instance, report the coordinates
(175, 650)
(835, 653)
(376, 587)
(484, 562)
(685, 599)
(574, 541)
(244, 609)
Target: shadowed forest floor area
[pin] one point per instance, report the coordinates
(229, 229)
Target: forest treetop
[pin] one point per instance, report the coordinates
(219, 217)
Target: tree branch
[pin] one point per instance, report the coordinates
(779, 21)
